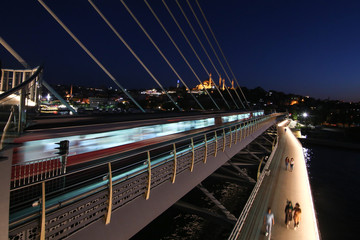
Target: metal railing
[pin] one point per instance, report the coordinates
(67, 209)
(19, 90)
(23, 174)
(241, 220)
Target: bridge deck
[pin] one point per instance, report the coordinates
(276, 189)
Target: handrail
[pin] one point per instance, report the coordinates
(6, 128)
(130, 153)
(21, 85)
(68, 198)
(241, 220)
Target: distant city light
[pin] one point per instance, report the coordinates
(305, 115)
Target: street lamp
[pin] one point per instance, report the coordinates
(305, 115)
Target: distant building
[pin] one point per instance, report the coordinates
(210, 84)
(151, 92)
(96, 102)
(207, 84)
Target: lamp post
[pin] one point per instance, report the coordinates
(305, 115)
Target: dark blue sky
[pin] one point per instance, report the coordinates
(302, 47)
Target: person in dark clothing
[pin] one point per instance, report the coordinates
(288, 213)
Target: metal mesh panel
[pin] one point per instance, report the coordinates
(161, 174)
(30, 231)
(184, 162)
(211, 149)
(65, 221)
(126, 191)
(199, 155)
(72, 218)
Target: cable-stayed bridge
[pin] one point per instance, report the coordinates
(79, 177)
(58, 196)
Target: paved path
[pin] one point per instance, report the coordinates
(276, 189)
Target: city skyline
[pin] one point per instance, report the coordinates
(306, 48)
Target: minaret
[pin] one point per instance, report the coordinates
(220, 82)
(232, 84)
(210, 81)
(223, 84)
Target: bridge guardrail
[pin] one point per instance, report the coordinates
(241, 220)
(19, 90)
(37, 170)
(73, 210)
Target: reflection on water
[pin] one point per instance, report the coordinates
(308, 153)
(334, 183)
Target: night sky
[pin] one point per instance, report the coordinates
(302, 47)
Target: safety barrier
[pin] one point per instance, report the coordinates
(241, 220)
(64, 213)
(23, 174)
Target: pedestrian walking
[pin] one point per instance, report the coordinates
(297, 215)
(269, 221)
(292, 161)
(288, 213)
(286, 163)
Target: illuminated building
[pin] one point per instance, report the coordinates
(207, 84)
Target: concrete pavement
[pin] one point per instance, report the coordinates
(282, 185)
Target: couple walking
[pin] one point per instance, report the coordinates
(292, 213)
(291, 161)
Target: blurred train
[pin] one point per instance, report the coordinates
(91, 142)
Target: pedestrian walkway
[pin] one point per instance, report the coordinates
(276, 189)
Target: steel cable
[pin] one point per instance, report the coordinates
(202, 13)
(176, 46)
(202, 46)
(192, 48)
(202, 29)
(132, 52)
(89, 53)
